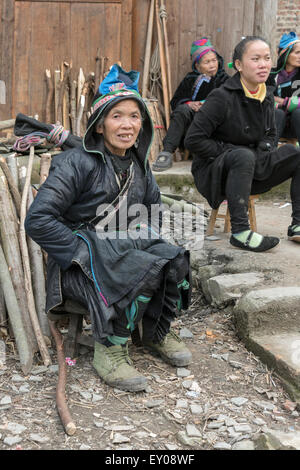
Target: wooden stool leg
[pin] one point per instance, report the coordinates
(212, 221)
(227, 225)
(252, 214)
(74, 329)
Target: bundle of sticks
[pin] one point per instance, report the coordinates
(70, 93)
(22, 274)
(158, 14)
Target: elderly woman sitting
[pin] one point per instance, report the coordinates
(100, 253)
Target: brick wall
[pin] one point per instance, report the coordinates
(288, 17)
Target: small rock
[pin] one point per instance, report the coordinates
(265, 405)
(192, 431)
(12, 440)
(289, 405)
(242, 428)
(120, 427)
(182, 372)
(38, 438)
(86, 395)
(171, 446)
(84, 447)
(53, 369)
(187, 384)
(39, 370)
(96, 397)
(239, 401)
(186, 440)
(243, 445)
(196, 409)
(6, 400)
(35, 378)
(192, 394)
(215, 424)
(24, 389)
(154, 403)
(15, 428)
(98, 424)
(185, 333)
(181, 403)
(120, 438)
(259, 422)
(17, 378)
(142, 435)
(222, 446)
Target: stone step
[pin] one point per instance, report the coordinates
(225, 288)
(268, 311)
(281, 353)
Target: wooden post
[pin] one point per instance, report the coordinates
(148, 50)
(49, 100)
(164, 23)
(162, 66)
(13, 188)
(265, 22)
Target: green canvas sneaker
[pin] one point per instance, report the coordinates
(172, 349)
(115, 367)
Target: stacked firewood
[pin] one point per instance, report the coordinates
(70, 94)
(22, 274)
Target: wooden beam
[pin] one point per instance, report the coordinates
(265, 22)
(126, 35)
(6, 54)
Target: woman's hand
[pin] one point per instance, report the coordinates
(195, 105)
(279, 100)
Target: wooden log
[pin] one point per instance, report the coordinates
(26, 264)
(15, 317)
(38, 279)
(73, 106)
(148, 50)
(13, 168)
(10, 244)
(61, 401)
(13, 188)
(3, 313)
(163, 67)
(7, 124)
(49, 99)
(57, 111)
(97, 70)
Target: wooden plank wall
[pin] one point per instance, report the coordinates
(223, 21)
(40, 34)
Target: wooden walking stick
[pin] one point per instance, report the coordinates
(148, 50)
(163, 67)
(25, 256)
(11, 183)
(61, 401)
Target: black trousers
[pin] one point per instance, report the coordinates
(239, 179)
(288, 125)
(181, 119)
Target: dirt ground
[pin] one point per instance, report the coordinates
(224, 400)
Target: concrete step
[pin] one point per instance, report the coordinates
(281, 353)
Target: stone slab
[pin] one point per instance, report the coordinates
(268, 311)
(281, 352)
(225, 288)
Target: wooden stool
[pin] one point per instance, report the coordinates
(288, 140)
(227, 226)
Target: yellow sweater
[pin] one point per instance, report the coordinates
(260, 94)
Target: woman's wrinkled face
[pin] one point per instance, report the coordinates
(293, 60)
(255, 65)
(208, 64)
(121, 126)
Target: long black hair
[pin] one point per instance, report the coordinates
(241, 47)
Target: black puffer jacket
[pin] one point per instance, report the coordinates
(227, 120)
(185, 89)
(80, 180)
